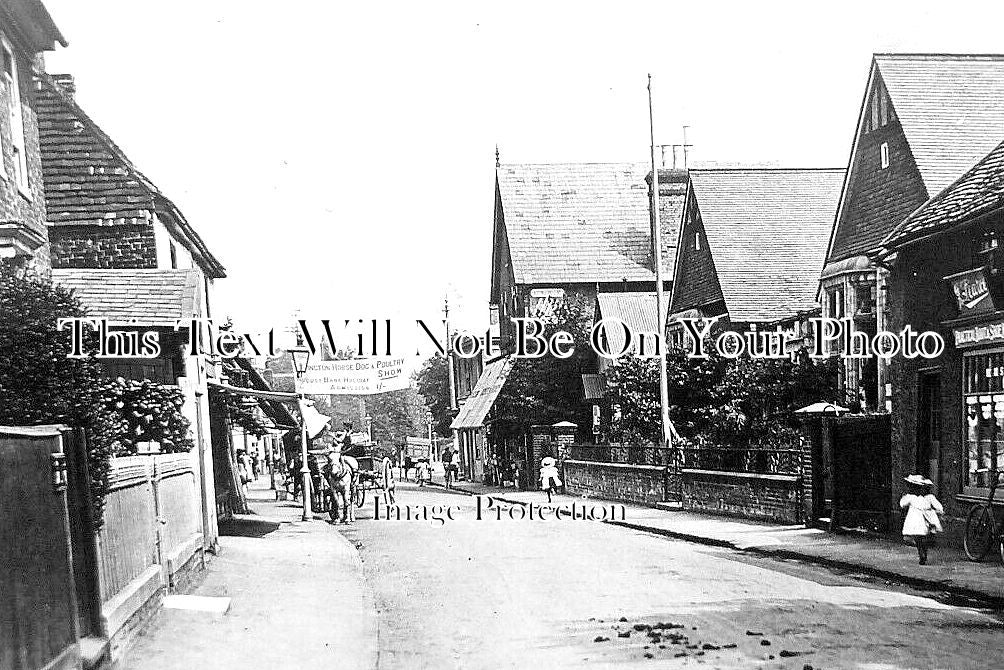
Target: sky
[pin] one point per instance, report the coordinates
(339, 158)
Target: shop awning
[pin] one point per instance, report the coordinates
(277, 396)
(479, 402)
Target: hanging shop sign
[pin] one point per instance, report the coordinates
(986, 333)
(365, 376)
(972, 291)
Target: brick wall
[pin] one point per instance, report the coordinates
(123, 246)
(644, 484)
(775, 498)
(920, 297)
(25, 208)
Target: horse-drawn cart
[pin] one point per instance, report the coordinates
(375, 475)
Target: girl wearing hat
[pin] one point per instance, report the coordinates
(549, 480)
(922, 510)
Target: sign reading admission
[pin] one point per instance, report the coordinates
(364, 376)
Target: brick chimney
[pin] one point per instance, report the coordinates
(66, 84)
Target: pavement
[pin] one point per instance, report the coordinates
(948, 569)
(297, 599)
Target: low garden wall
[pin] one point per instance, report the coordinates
(643, 484)
(767, 497)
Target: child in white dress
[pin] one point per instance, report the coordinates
(922, 510)
(549, 480)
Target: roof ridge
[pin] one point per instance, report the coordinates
(937, 56)
(768, 169)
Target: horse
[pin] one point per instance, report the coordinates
(343, 477)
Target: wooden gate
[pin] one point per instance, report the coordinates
(861, 471)
(38, 610)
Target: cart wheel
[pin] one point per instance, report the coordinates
(329, 497)
(389, 484)
(360, 495)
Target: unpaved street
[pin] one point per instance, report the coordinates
(520, 594)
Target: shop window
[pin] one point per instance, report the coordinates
(989, 241)
(864, 295)
(983, 392)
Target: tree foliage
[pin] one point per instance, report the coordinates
(41, 383)
(433, 384)
(739, 402)
(548, 389)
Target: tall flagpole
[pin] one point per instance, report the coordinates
(660, 298)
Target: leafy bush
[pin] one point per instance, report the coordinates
(40, 383)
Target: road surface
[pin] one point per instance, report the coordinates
(514, 593)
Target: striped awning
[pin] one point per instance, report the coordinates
(479, 402)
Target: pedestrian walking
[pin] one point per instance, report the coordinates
(424, 472)
(922, 510)
(549, 480)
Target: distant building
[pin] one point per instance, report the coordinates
(563, 233)
(925, 119)
(751, 243)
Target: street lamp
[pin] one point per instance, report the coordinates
(301, 356)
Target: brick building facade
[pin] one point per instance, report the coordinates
(924, 120)
(946, 275)
(26, 30)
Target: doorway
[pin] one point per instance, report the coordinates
(929, 425)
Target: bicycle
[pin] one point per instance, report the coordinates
(982, 529)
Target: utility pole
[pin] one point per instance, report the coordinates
(660, 298)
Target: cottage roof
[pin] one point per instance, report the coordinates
(90, 181)
(34, 22)
(950, 106)
(767, 230)
(134, 297)
(583, 222)
(977, 192)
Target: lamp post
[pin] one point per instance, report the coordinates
(301, 356)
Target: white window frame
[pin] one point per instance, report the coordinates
(16, 115)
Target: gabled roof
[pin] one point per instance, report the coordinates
(134, 297)
(33, 21)
(951, 111)
(977, 192)
(951, 108)
(90, 181)
(767, 230)
(582, 222)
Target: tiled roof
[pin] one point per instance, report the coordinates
(951, 108)
(767, 230)
(151, 297)
(474, 410)
(88, 178)
(583, 222)
(978, 191)
(637, 310)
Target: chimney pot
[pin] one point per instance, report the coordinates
(66, 84)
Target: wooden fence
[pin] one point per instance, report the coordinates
(151, 535)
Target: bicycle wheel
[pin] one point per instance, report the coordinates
(979, 532)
